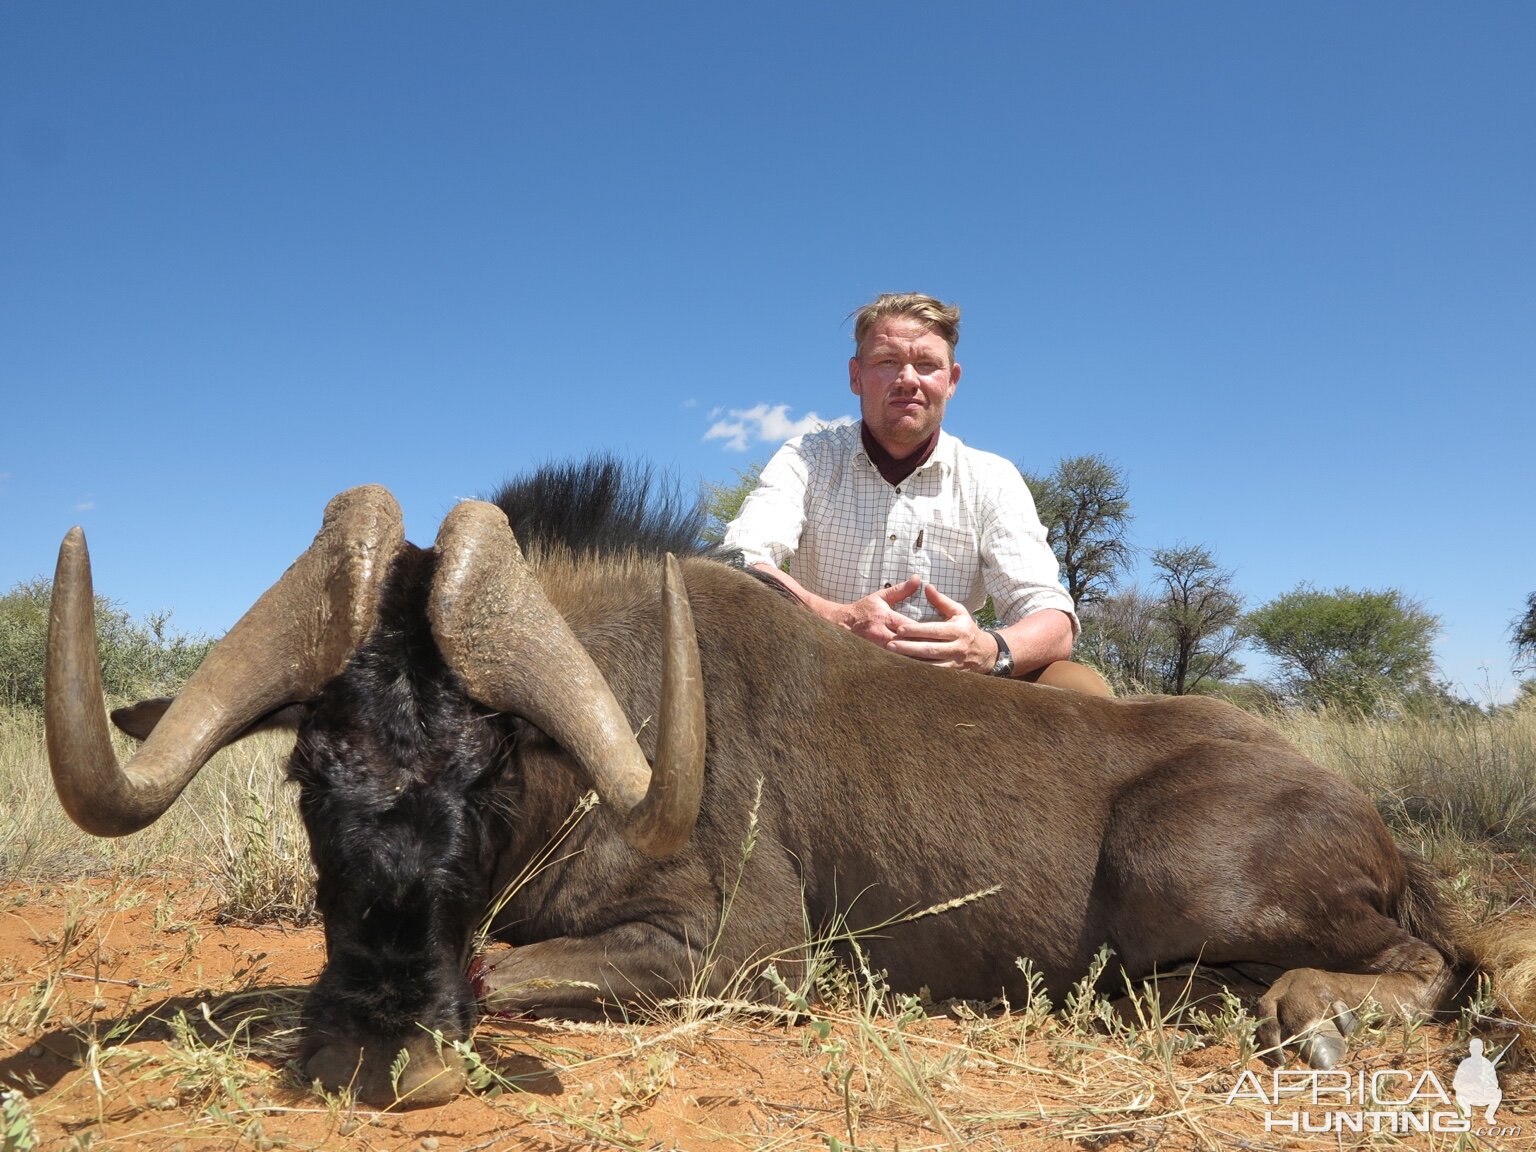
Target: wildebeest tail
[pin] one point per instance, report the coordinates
(1504, 950)
(1501, 952)
(1425, 913)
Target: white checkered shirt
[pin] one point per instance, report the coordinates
(964, 522)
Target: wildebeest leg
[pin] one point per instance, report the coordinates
(1218, 858)
(625, 964)
(1406, 978)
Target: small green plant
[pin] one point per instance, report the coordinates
(1036, 1008)
(1228, 1022)
(17, 1131)
(209, 1070)
(641, 1090)
(1084, 1007)
(482, 1079)
(260, 860)
(1478, 1009)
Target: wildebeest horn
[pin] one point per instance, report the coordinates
(299, 634)
(515, 652)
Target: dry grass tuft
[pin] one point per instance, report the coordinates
(1465, 776)
(237, 824)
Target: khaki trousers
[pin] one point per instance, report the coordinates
(1072, 677)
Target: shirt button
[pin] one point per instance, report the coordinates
(886, 584)
(898, 491)
(893, 537)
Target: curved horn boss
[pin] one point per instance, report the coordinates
(299, 634)
(515, 653)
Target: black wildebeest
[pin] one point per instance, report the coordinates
(454, 703)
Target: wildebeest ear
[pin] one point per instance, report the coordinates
(139, 720)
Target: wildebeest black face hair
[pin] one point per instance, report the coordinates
(395, 766)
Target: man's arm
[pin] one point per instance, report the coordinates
(873, 617)
(1023, 576)
(766, 530)
(957, 641)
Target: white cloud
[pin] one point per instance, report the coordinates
(765, 425)
(690, 403)
(85, 505)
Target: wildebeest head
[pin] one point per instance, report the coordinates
(401, 659)
(396, 768)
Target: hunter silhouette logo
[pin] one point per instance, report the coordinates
(1476, 1084)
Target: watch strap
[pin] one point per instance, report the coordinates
(1004, 665)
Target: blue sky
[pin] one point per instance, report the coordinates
(1278, 261)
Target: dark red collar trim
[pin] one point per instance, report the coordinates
(894, 470)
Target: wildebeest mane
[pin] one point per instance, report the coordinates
(602, 506)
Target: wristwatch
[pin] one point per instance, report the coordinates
(1004, 665)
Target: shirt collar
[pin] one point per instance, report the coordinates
(893, 469)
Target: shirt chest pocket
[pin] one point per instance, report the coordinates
(953, 562)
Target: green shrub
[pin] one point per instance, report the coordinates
(139, 657)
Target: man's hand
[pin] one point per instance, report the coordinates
(872, 617)
(875, 617)
(956, 641)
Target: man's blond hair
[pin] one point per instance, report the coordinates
(932, 314)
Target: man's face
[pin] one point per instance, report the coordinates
(903, 375)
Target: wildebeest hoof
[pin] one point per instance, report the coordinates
(1344, 1019)
(1325, 1048)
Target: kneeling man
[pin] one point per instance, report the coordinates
(897, 531)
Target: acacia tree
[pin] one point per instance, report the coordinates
(1523, 636)
(1175, 638)
(1199, 612)
(1124, 638)
(1087, 514)
(1348, 648)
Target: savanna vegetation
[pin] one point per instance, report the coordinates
(152, 987)
(139, 656)
(1186, 627)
